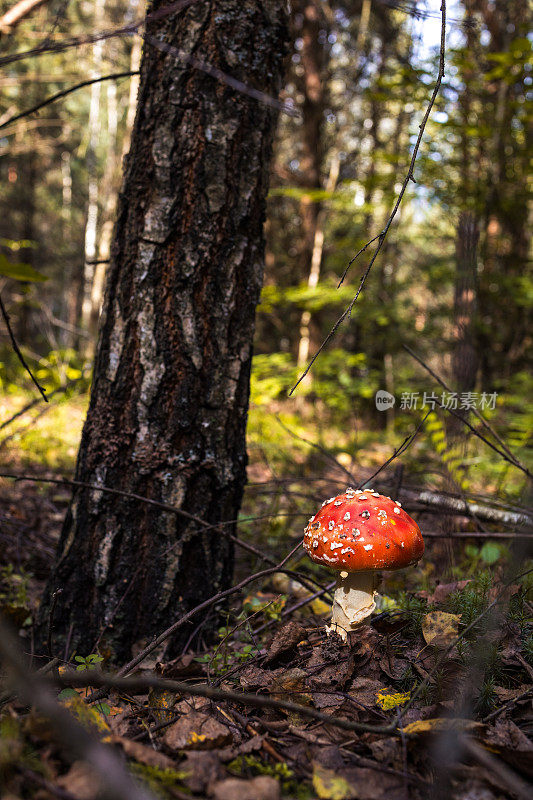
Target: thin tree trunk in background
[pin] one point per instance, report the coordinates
(93, 180)
(169, 402)
(110, 192)
(465, 361)
(312, 87)
(316, 261)
(17, 13)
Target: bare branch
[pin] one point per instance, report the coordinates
(142, 684)
(134, 28)
(511, 458)
(16, 348)
(64, 93)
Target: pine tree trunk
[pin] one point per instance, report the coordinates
(169, 402)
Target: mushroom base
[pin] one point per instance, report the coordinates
(353, 601)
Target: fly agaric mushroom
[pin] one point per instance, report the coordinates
(356, 534)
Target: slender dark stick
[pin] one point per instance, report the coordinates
(399, 450)
(64, 93)
(53, 604)
(141, 684)
(91, 38)
(479, 435)
(192, 60)
(409, 177)
(474, 410)
(16, 348)
(35, 401)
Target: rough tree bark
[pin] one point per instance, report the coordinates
(169, 402)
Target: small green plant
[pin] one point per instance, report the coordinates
(271, 608)
(89, 662)
(159, 780)
(415, 609)
(251, 765)
(486, 699)
(471, 601)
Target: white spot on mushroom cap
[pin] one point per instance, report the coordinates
(368, 547)
(337, 503)
(346, 516)
(335, 545)
(331, 525)
(396, 510)
(315, 544)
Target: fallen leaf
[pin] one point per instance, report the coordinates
(253, 678)
(328, 700)
(442, 591)
(387, 751)
(329, 670)
(197, 729)
(142, 753)
(201, 768)
(393, 667)
(80, 781)
(436, 724)
(284, 641)
(330, 786)
(440, 629)
(261, 788)
(290, 685)
(511, 744)
(364, 691)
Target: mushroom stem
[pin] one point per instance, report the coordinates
(353, 601)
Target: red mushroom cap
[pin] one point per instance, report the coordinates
(363, 530)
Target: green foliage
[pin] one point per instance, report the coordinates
(478, 557)
(159, 780)
(471, 601)
(247, 766)
(450, 456)
(19, 271)
(485, 701)
(271, 609)
(415, 608)
(88, 662)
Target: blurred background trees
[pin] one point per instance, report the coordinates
(360, 74)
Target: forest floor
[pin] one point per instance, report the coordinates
(431, 698)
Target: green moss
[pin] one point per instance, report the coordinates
(158, 779)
